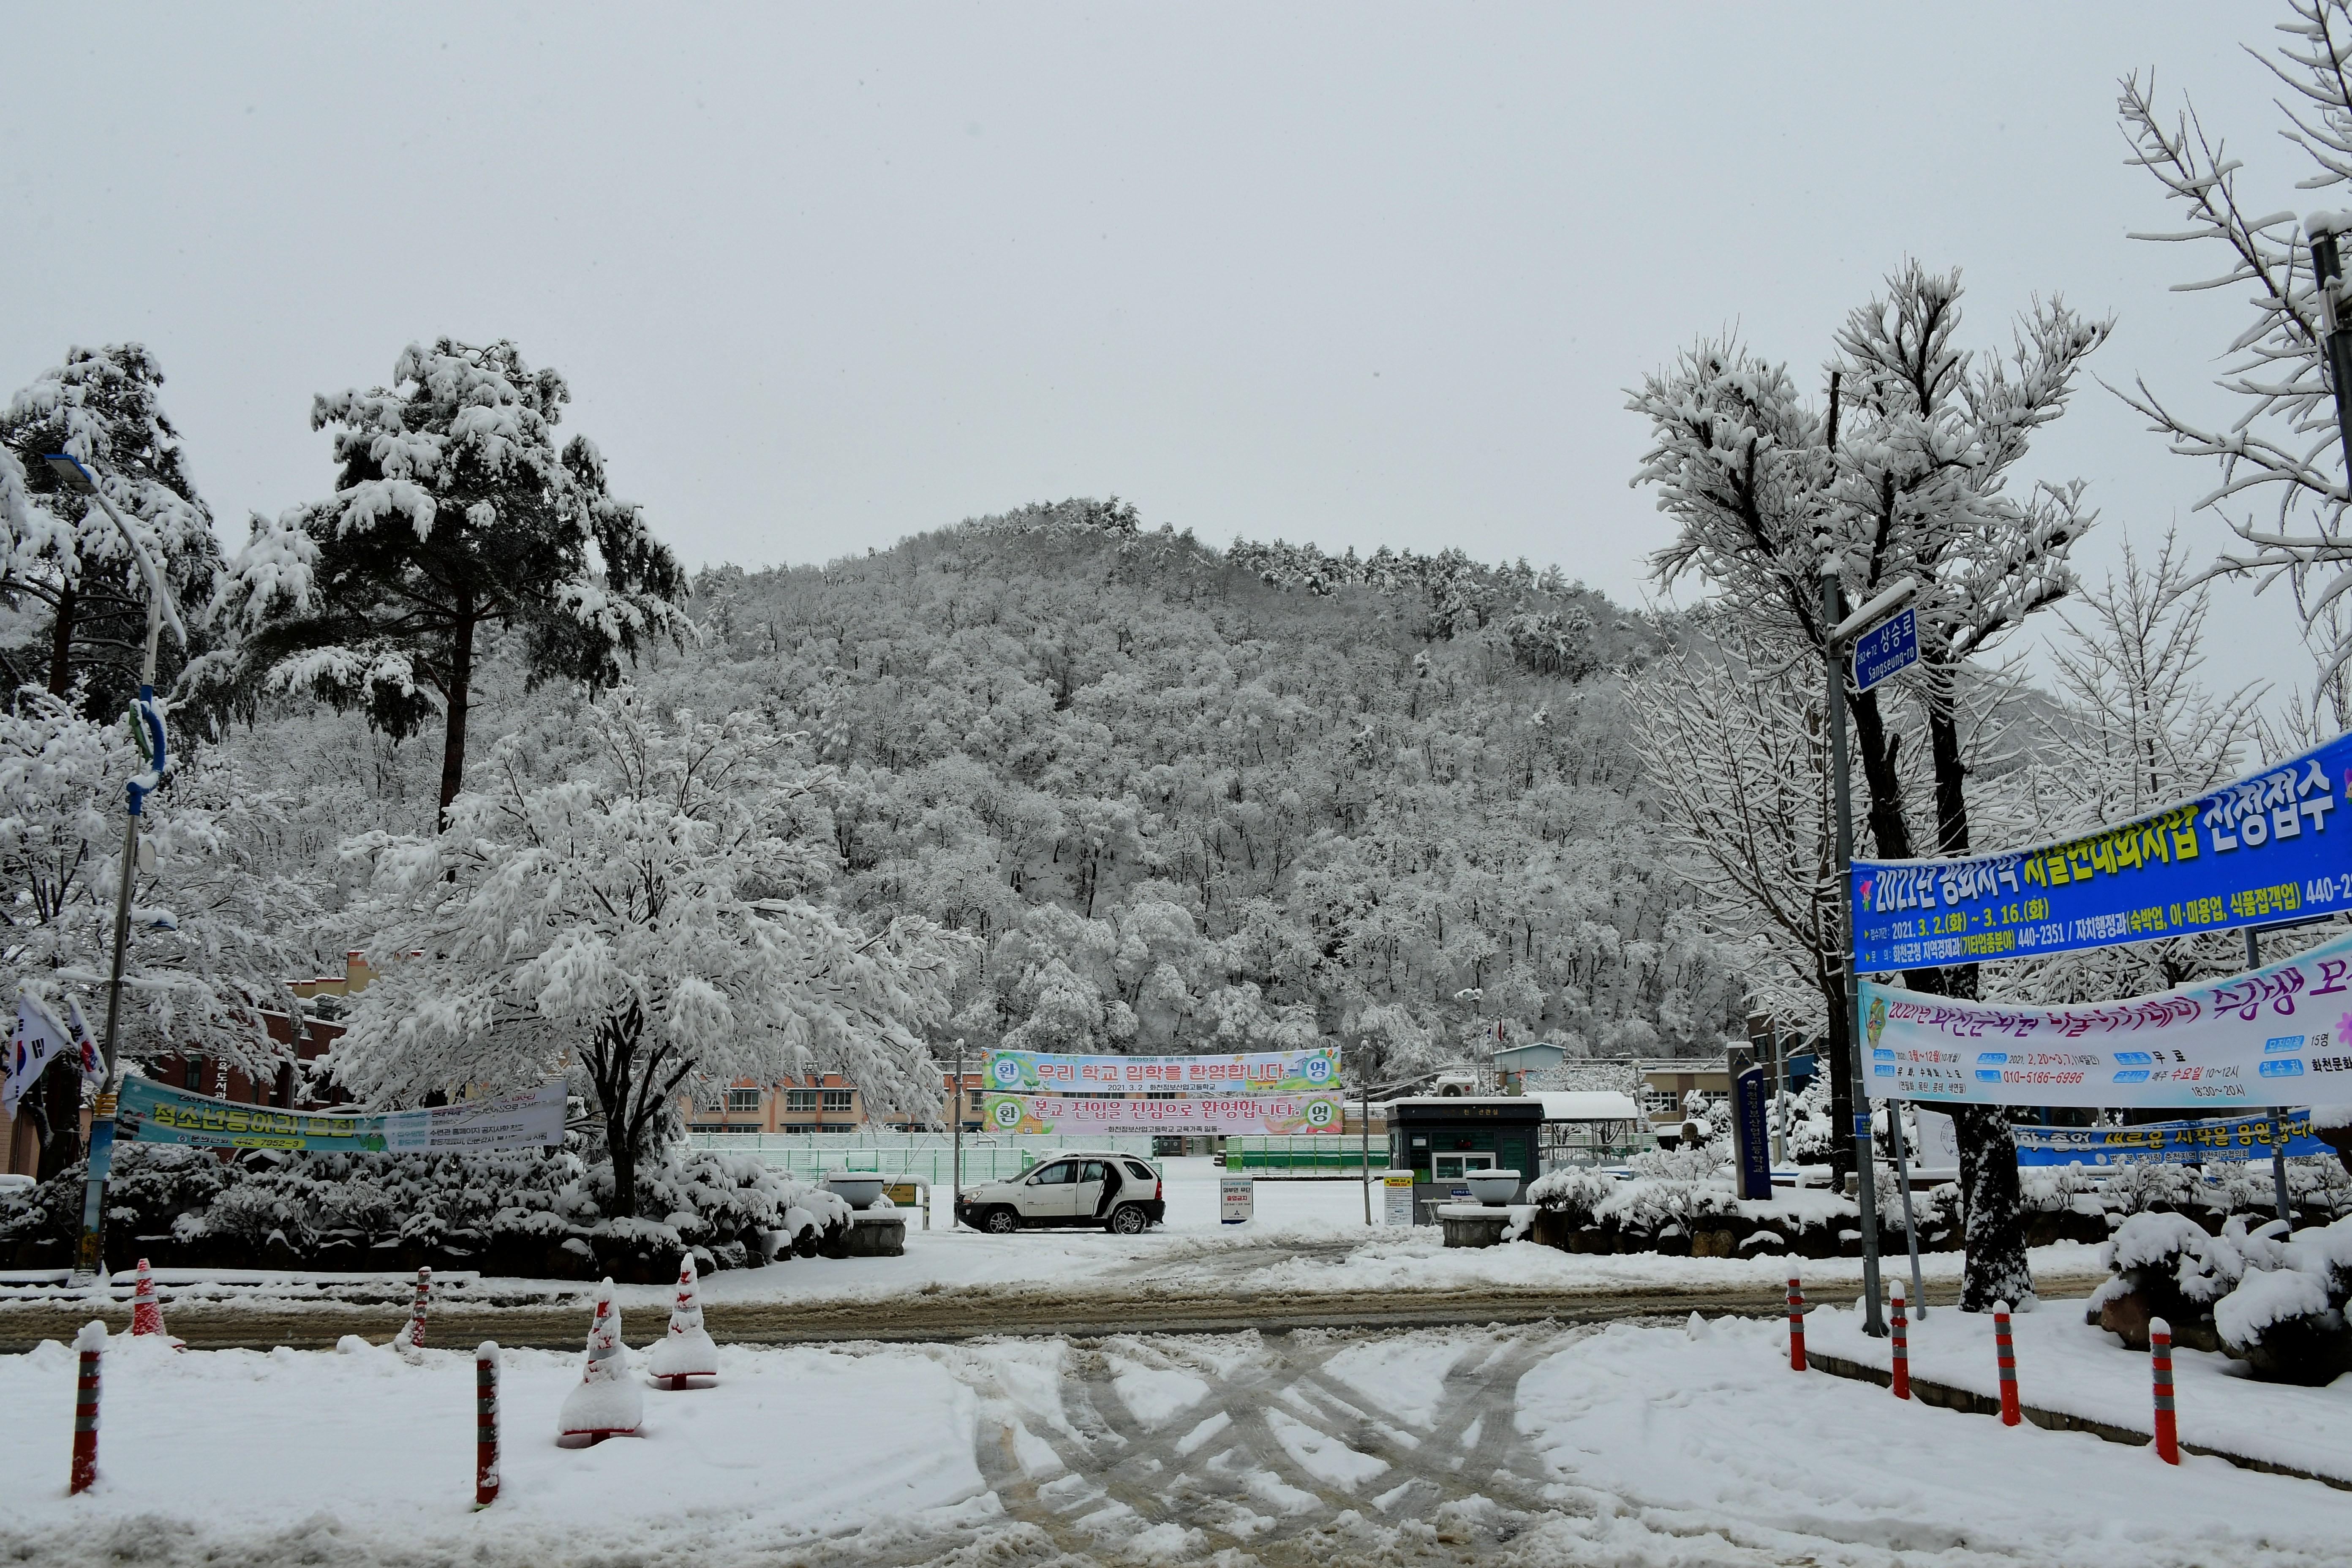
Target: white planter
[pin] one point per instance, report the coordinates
(1493, 1188)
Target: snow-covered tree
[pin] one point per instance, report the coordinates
(59, 551)
(2281, 482)
(454, 519)
(2133, 729)
(216, 927)
(1920, 482)
(641, 904)
(1737, 758)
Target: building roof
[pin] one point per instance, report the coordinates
(1587, 1105)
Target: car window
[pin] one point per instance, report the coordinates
(1053, 1175)
(1141, 1173)
(1093, 1173)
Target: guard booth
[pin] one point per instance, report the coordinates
(1440, 1138)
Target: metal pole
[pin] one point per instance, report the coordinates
(2278, 1112)
(1902, 1179)
(955, 1138)
(1866, 1195)
(89, 1257)
(1364, 1127)
(1780, 1101)
(2327, 270)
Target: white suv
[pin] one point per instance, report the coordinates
(1120, 1193)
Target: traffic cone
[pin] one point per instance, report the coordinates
(607, 1403)
(146, 1313)
(686, 1351)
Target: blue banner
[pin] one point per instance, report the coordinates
(2251, 853)
(2165, 1142)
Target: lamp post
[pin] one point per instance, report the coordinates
(147, 723)
(1841, 633)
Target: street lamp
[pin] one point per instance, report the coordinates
(1843, 631)
(147, 728)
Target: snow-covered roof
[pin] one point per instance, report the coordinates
(1587, 1105)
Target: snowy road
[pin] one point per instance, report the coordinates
(1636, 1446)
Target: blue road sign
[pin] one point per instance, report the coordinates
(1887, 649)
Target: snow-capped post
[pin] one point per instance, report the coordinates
(2006, 1350)
(607, 1403)
(146, 1315)
(1901, 1380)
(91, 1344)
(412, 1336)
(486, 1423)
(1796, 1326)
(2160, 1361)
(686, 1351)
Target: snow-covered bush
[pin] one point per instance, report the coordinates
(2053, 1189)
(2146, 1186)
(1573, 1190)
(505, 1211)
(2166, 1266)
(2285, 1315)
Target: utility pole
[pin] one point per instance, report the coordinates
(147, 724)
(955, 1139)
(2328, 271)
(1364, 1124)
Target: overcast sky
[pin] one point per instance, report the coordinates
(1360, 275)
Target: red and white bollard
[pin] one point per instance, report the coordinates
(91, 1344)
(1796, 1326)
(1901, 1379)
(486, 1423)
(2159, 1360)
(146, 1314)
(2006, 1349)
(413, 1337)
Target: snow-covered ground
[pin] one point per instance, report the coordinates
(1629, 1446)
(1306, 1235)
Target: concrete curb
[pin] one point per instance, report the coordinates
(1945, 1396)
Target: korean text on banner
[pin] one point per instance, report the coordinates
(1244, 1072)
(2280, 1034)
(2263, 849)
(150, 1113)
(2167, 1143)
(1076, 1114)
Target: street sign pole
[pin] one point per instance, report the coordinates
(1864, 1192)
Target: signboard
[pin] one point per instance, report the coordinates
(1751, 1136)
(2263, 849)
(1396, 1197)
(1079, 1115)
(1886, 649)
(2165, 1142)
(150, 1113)
(2280, 1034)
(1939, 1144)
(1233, 1199)
(1242, 1073)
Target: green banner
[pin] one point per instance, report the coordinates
(149, 1112)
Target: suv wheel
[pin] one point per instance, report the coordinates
(1126, 1220)
(1000, 1222)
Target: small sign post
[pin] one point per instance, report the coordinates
(1235, 1199)
(1888, 649)
(1751, 1136)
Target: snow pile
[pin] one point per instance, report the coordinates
(2265, 1298)
(608, 1403)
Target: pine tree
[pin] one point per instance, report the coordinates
(59, 549)
(454, 519)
